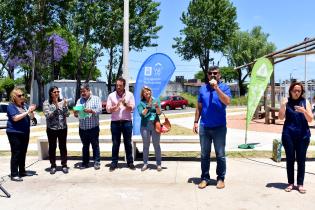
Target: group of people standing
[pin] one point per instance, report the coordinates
(209, 123)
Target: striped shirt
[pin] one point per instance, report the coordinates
(94, 103)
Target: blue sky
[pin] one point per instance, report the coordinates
(286, 21)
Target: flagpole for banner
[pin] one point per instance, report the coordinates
(126, 44)
(246, 146)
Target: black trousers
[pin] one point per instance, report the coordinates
(61, 135)
(295, 150)
(90, 136)
(19, 144)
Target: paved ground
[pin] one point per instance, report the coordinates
(250, 184)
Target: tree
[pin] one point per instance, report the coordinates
(7, 84)
(142, 31)
(200, 75)
(245, 48)
(228, 74)
(67, 67)
(31, 21)
(209, 26)
(83, 21)
(9, 37)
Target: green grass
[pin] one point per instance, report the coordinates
(238, 101)
(179, 130)
(235, 101)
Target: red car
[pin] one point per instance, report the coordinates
(173, 102)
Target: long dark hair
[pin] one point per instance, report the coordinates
(292, 86)
(51, 89)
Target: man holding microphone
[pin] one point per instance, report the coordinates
(213, 98)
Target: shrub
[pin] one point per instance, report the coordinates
(192, 99)
(7, 84)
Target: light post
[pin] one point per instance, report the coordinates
(126, 43)
(305, 78)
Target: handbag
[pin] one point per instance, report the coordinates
(162, 127)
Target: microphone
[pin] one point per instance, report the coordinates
(213, 80)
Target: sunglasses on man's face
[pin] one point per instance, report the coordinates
(56, 91)
(213, 73)
(20, 95)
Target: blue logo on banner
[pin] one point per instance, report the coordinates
(155, 72)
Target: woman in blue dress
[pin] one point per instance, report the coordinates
(296, 133)
(18, 132)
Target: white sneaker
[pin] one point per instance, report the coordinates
(159, 168)
(144, 167)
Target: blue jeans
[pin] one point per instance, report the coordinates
(146, 133)
(117, 128)
(90, 136)
(218, 136)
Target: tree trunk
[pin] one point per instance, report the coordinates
(40, 85)
(11, 73)
(27, 81)
(110, 69)
(79, 72)
(120, 70)
(93, 63)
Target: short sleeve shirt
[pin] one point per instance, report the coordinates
(213, 113)
(21, 126)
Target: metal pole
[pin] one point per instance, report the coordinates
(33, 74)
(305, 78)
(126, 43)
(4, 191)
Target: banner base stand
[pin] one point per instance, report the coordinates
(5, 192)
(246, 146)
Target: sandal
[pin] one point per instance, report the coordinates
(301, 189)
(289, 188)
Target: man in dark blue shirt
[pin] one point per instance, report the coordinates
(213, 98)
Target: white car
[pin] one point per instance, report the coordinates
(4, 117)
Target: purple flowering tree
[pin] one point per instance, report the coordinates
(57, 47)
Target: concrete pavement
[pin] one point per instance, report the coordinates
(250, 184)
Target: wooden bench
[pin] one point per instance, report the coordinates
(272, 111)
(42, 142)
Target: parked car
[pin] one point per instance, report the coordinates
(104, 107)
(173, 102)
(4, 117)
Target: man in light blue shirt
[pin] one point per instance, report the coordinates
(213, 98)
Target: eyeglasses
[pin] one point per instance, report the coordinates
(297, 91)
(213, 73)
(56, 91)
(20, 95)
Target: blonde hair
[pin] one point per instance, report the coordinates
(14, 93)
(142, 91)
